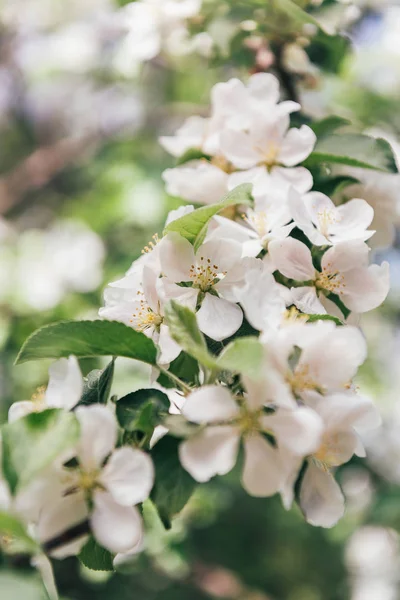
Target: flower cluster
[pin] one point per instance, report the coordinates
(259, 293)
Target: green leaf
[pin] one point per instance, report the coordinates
(328, 125)
(88, 338)
(185, 367)
(184, 330)
(285, 17)
(95, 557)
(16, 586)
(355, 150)
(16, 538)
(97, 385)
(173, 485)
(142, 410)
(33, 442)
(335, 185)
(193, 226)
(192, 154)
(244, 355)
(313, 318)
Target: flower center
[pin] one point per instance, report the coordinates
(269, 154)
(144, 317)
(328, 453)
(326, 217)
(223, 164)
(301, 380)
(258, 221)
(330, 280)
(151, 245)
(249, 422)
(38, 399)
(204, 274)
(292, 315)
(88, 480)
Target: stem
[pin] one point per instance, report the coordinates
(285, 78)
(185, 388)
(67, 536)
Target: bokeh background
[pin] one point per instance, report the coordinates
(84, 94)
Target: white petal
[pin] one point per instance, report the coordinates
(218, 318)
(177, 257)
(117, 528)
(98, 435)
(306, 300)
(238, 148)
(264, 87)
(321, 498)
(292, 258)
(297, 145)
(356, 217)
(346, 256)
(221, 252)
(169, 349)
(65, 383)
(211, 452)
(366, 289)
(59, 517)
(189, 135)
(210, 404)
(298, 430)
(197, 182)
(262, 472)
(128, 476)
(44, 566)
(21, 409)
(298, 177)
(261, 299)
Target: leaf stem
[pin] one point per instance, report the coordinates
(185, 388)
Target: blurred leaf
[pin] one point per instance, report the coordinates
(16, 586)
(184, 330)
(97, 385)
(15, 536)
(185, 367)
(173, 485)
(142, 410)
(328, 125)
(33, 442)
(95, 557)
(193, 226)
(88, 338)
(244, 355)
(336, 185)
(191, 154)
(355, 150)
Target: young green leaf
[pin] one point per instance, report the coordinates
(192, 154)
(193, 226)
(142, 410)
(355, 150)
(16, 538)
(173, 485)
(33, 442)
(97, 385)
(313, 318)
(88, 338)
(95, 557)
(244, 355)
(184, 330)
(328, 125)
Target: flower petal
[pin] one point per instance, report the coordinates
(298, 430)
(211, 452)
(218, 318)
(297, 145)
(321, 498)
(292, 258)
(262, 473)
(128, 476)
(98, 435)
(65, 383)
(169, 349)
(366, 289)
(177, 257)
(117, 528)
(20, 409)
(210, 404)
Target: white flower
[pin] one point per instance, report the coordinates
(135, 301)
(113, 488)
(212, 273)
(343, 416)
(344, 271)
(213, 450)
(63, 391)
(197, 181)
(192, 134)
(324, 223)
(268, 142)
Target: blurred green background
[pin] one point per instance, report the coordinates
(81, 194)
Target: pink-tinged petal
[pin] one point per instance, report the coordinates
(321, 498)
(305, 218)
(98, 435)
(238, 148)
(292, 258)
(117, 528)
(366, 289)
(345, 256)
(223, 253)
(306, 300)
(297, 145)
(298, 430)
(356, 217)
(65, 383)
(210, 404)
(177, 257)
(211, 452)
(128, 476)
(218, 318)
(58, 517)
(262, 474)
